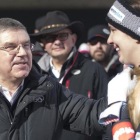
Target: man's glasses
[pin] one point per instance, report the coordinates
(94, 41)
(14, 49)
(52, 38)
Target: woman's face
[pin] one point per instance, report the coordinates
(128, 48)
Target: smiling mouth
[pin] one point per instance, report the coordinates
(117, 49)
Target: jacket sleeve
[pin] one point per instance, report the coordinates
(79, 113)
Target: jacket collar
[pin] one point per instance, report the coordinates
(36, 86)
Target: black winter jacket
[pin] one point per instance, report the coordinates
(83, 77)
(44, 108)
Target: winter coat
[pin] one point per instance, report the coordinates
(44, 107)
(114, 66)
(83, 77)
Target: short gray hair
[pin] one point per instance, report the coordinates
(9, 23)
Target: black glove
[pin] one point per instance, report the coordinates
(123, 130)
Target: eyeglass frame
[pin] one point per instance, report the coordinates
(55, 37)
(16, 49)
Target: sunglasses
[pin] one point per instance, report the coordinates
(52, 38)
(94, 41)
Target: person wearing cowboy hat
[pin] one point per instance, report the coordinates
(66, 64)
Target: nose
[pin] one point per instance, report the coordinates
(110, 40)
(21, 50)
(98, 45)
(57, 41)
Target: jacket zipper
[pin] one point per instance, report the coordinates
(89, 96)
(70, 67)
(10, 118)
(26, 115)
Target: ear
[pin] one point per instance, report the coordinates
(74, 38)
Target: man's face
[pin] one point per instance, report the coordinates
(18, 65)
(57, 48)
(99, 49)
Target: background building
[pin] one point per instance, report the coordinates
(90, 12)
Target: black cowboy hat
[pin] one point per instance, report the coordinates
(55, 21)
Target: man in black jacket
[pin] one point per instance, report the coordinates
(66, 64)
(102, 52)
(34, 106)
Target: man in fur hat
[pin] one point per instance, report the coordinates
(66, 64)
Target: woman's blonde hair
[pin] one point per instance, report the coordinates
(133, 100)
